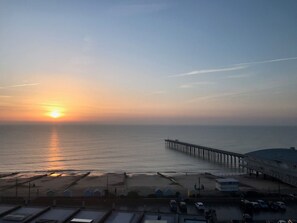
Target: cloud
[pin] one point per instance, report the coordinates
(233, 67)
(230, 94)
(266, 61)
(209, 97)
(19, 85)
(216, 70)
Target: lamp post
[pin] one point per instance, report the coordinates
(29, 192)
(199, 186)
(16, 187)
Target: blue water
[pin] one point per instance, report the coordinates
(127, 148)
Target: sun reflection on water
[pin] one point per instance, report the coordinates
(55, 156)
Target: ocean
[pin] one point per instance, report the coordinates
(131, 149)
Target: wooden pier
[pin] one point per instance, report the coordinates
(222, 157)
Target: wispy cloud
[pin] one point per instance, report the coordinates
(215, 96)
(266, 61)
(231, 94)
(19, 85)
(233, 67)
(206, 71)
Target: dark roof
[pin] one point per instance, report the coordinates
(227, 180)
(281, 155)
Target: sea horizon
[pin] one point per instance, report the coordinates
(55, 122)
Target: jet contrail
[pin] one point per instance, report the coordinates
(209, 71)
(233, 67)
(19, 85)
(266, 61)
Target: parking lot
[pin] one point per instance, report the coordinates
(224, 211)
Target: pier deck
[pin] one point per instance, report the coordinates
(230, 159)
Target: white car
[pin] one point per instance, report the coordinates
(200, 206)
(281, 205)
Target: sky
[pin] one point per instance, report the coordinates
(199, 62)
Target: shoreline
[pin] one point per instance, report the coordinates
(100, 172)
(88, 184)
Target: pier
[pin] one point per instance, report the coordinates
(222, 157)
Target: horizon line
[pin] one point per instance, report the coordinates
(140, 124)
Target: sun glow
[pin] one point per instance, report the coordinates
(55, 114)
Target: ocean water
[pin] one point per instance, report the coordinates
(132, 149)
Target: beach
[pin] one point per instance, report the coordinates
(88, 184)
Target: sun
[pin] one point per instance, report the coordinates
(54, 111)
(55, 114)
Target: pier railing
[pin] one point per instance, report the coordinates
(227, 158)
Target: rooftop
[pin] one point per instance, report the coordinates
(224, 180)
(277, 154)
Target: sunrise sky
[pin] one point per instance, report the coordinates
(149, 62)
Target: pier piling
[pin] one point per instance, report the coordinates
(229, 159)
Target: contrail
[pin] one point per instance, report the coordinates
(18, 85)
(266, 61)
(233, 67)
(239, 67)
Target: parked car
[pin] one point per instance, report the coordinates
(173, 205)
(281, 205)
(263, 205)
(246, 205)
(292, 197)
(273, 206)
(183, 206)
(200, 206)
(247, 217)
(255, 205)
(210, 214)
(243, 202)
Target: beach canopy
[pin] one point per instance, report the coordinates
(168, 192)
(50, 193)
(158, 192)
(88, 192)
(97, 193)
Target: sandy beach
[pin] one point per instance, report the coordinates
(79, 184)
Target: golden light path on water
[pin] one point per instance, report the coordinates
(54, 154)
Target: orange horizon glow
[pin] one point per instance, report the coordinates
(75, 102)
